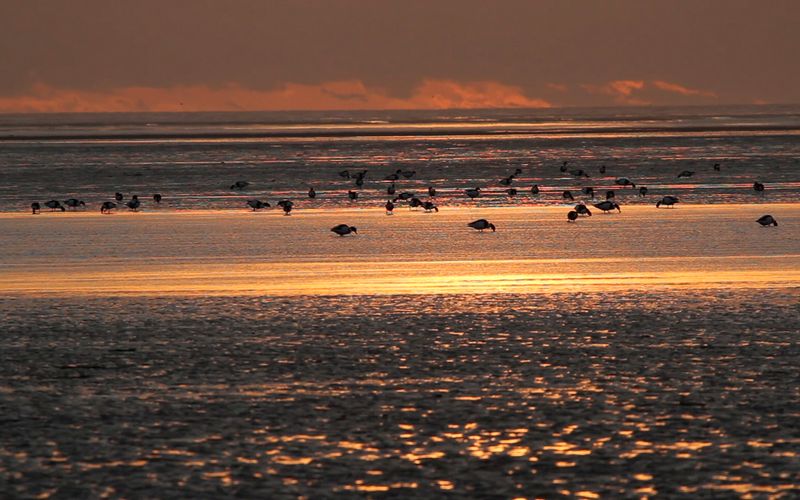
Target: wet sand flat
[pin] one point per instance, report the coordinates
(229, 353)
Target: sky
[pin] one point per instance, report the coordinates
(209, 55)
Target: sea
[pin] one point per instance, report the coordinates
(193, 159)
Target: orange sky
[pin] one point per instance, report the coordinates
(148, 55)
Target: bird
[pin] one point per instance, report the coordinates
(35, 207)
(582, 209)
(607, 206)
(517, 172)
(602, 169)
(610, 195)
(311, 193)
(54, 205)
(642, 190)
(572, 216)
(767, 220)
(511, 192)
(624, 181)
(507, 181)
(588, 191)
(257, 204)
(473, 193)
(286, 205)
(239, 185)
(430, 207)
(359, 182)
(668, 201)
(389, 207)
(157, 198)
(567, 195)
(717, 168)
(107, 207)
(407, 195)
(343, 229)
(431, 191)
(482, 224)
(535, 189)
(414, 203)
(563, 167)
(391, 189)
(393, 177)
(74, 203)
(118, 196)
(758, 187)
(134, 203)
(409, 173)
(352, 195)
(345, 174)
(685, 173)
(578, 173)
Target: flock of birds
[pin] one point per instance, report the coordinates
(410, 198)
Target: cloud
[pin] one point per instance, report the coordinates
(642, 92)
(345, 94)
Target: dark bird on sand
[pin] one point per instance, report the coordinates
(582, 209)
(352, 195)
(157, 198)
(511, 192)
(717, 168)
(667, 201)
(239, 185)
(107, 207)
(572, 216)
(118, 196)
(473, 193)
(134, 203)
(767, 220)
(602, 169)
(588, 191)
(567, 195)
(642, 190)
(624, 181)
(431, 191)
(758, 187)
(535, 189)
(311, 193)
(563, 167)
(54, 205)
(685, 173)
(610, 195)
(344, 229)
(482, 224)
(389, 207)
(607, 206)
(257, 204)
(415, 203)
(74, 203)
(35, 207)
(391, 189)
(507, 181)
(578, 173)
(407, 195)
(430, 207)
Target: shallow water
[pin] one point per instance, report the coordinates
(583, 394)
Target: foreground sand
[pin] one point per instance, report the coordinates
(213, 354)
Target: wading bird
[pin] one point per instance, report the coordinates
(107, 207)
(344, 229)
(667, 201)
(767, 220)
(607, 206)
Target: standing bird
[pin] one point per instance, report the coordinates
(610, 195)
(667, 201)
(567, 195)
(607, 206)
(685, 173)
(391, 189)
(257, 204)
(767, 220)
(345, 174)
(758, 187)
(563, 167)
(107, 207)
(482, 224)
(74, 203)
(602, 169)
(414, 203)
(359, 182)
(517, 172)
(431, 191)
(389, 207)
(572, 216)
(717, 168)
(54, 205)
(582, 209)
(393, 177)
(430, 207)
(287, 208)
(311, 193)
(473, 193)
(507, 181)
(343, 229)
(642, 191)
(157, 198)
(588, 191)
(134, 203)
(118, 196)
(535, 189)
(239, 185)
(624, 181)
(352, 195)
(511, 192)
(35, 207)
